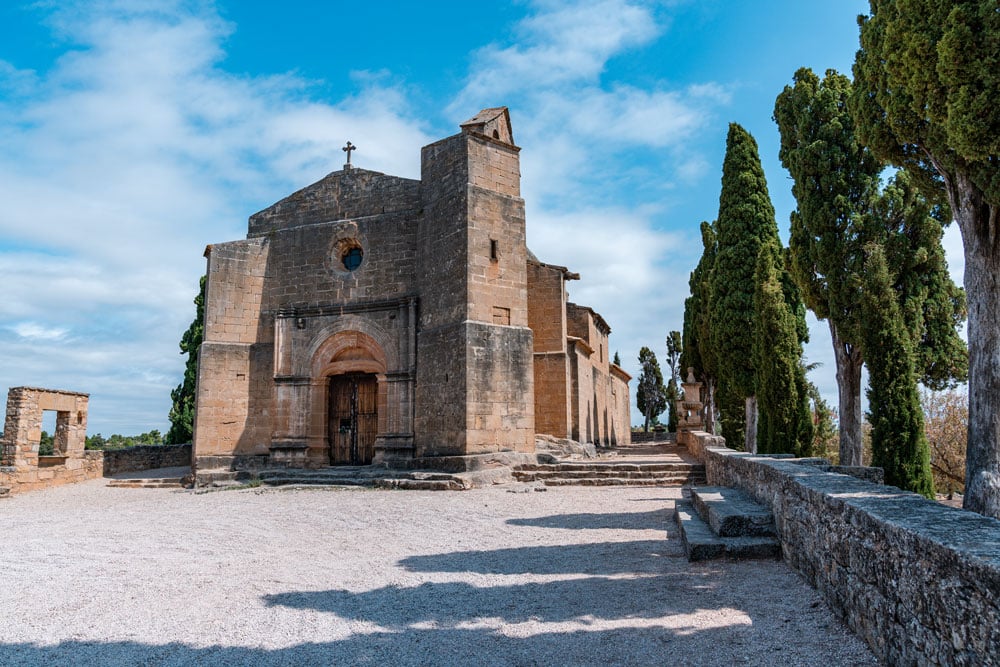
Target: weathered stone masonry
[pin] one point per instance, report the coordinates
(918, 580)
(374, 318)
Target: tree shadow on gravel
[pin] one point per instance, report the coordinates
(449, 604)
(598, 558)
(735, 644)
(652, 520)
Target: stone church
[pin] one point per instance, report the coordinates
(371, 318)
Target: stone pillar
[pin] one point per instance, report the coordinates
(689, 409)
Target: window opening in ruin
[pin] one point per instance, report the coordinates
(47, 440)
(352, 258)
(494, 250)
(496, 134)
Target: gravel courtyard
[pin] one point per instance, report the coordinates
(573, 576)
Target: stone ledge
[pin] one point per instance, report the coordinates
(918, 580)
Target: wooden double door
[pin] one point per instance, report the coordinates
(353, 421)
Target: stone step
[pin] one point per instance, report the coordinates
(369, 477)
(598, 474)
(610, 467)
(732, 513)
(617, 481)
(149, 483)
(700, 543)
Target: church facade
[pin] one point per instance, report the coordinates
(370, 318)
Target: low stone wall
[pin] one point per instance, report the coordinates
(146, 457)
(918, 580)
(57, 470)
(651, 436)
(52, 471)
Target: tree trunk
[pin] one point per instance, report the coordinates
(710, 405)
(981, 238)
(751, 437)
(849, 361)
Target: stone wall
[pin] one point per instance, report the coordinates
(145, 457)
(918, 580)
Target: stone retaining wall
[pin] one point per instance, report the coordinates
(146, 457)
(52, 471)
(918, 580)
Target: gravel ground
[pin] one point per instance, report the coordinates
(572, 576)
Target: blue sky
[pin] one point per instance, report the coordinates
(135, 132)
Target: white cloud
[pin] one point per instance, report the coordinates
(123, 160)
(36, 331)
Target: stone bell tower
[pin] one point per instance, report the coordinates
(475, 375)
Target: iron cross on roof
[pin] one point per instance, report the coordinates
(347, 149)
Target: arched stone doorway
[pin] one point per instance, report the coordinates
(348, 387)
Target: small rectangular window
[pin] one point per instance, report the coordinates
(494, 250)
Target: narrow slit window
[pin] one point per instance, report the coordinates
(494, 250)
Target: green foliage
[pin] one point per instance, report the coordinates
(617, 360)
(116, 441)
(777, 355)
(908, 228)
(183, 397)
(650, 394)
(840, 209)
(835, 180)
(697, 351)
(746, 227)
(46, 445)
(825, 439)
(899, 444)
(674, 350)
(926, 88)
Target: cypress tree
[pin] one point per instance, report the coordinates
(777, 360)
(674, 349)
(745, 226)
(925, 92)
(899, 445)
(183, 396)
(697, 341)
(835, 180)
(650, 394)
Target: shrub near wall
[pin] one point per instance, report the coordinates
(918, 580)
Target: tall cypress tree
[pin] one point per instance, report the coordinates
(183, 396)
(674, 349)
(650, 394)
(745, 226)
(697, 341)
(835, 180)
(899, 445)
(777, 360)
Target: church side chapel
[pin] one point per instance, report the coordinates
(369, 318)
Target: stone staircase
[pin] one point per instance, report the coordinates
(157, 478)
(720, 522)
(148, 483)
(366, 476)
(611, 473)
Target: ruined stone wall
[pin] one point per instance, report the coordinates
(918, 580)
